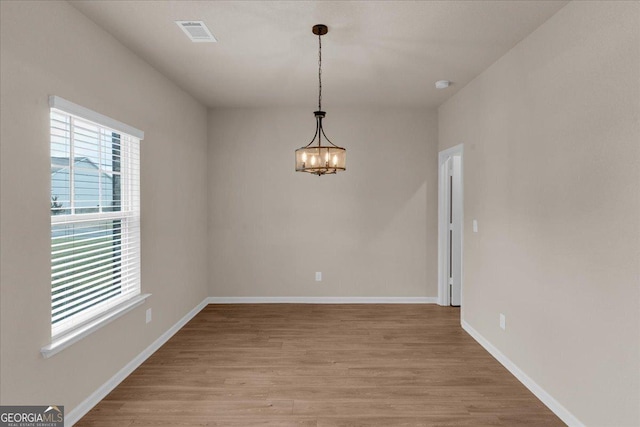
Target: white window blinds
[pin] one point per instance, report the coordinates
(95, 214)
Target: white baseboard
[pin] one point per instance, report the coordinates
(79, 411)
(322, 300)
(555, 406)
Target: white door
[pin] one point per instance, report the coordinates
(450, 227)
(455, 228)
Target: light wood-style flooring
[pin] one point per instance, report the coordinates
(320, 366)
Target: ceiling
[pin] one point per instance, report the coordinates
(377, 53)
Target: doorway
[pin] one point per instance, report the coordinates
(450, 230)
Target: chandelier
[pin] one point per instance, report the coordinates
(317, 158)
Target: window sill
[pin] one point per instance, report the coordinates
(60, 343)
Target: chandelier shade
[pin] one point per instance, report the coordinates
(320, 157)
(320, 160)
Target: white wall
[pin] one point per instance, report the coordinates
(552, 173)
(371, 230)
(49, 48)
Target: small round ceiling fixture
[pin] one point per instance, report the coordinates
(320, 30)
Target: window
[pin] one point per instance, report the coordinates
(95, 215)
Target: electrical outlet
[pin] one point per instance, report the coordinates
(318, 276)
(148, 315)
(503, 322)
(475, 225)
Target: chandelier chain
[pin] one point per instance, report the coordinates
(319, 72)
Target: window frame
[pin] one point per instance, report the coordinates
(68, 330)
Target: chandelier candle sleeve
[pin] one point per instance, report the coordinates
(316, 158)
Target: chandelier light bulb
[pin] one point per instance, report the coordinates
(313, 161)
(335, 160)
(304, 157)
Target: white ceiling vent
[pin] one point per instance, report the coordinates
(197, 31)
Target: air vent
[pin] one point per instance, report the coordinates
(196, 31)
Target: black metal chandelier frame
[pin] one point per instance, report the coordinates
(320, 159)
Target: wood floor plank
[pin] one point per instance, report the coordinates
(226, 422)
(376, 408)
(302, 365)
(462, 421)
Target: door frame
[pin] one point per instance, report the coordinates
(443, 229)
